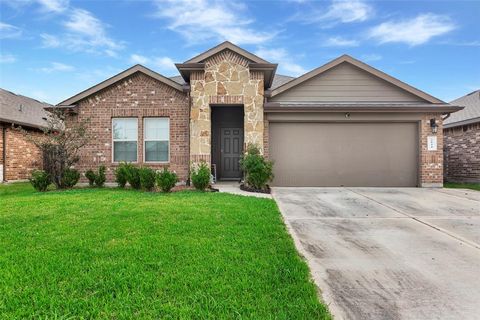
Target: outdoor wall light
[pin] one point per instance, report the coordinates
(433, 125)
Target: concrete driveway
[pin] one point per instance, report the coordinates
(389, 253)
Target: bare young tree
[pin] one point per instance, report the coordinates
(59, 144)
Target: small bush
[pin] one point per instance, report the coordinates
(100, 177)
(70, 177)
(201, 176)
(147, 178)
(258, 170)
(90, 175)
(166, 180)
(133, 176)
(40, 180)
(121, 174)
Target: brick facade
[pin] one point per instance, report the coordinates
(431, 162)
(462, 153)
(21, 157)
(138, 96)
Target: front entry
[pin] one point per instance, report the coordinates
(231, 150)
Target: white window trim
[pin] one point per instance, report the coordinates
(145, 140)
(122, 140)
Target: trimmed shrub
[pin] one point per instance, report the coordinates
(70, 177)
(201, 176)
(166, 180)
(121, 174)
(147, 178)
(133, 176)
(100, 177)
(258, 170)
(90, 175)
(40, 180)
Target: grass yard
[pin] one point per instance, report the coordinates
(121, 254)
(472, 186)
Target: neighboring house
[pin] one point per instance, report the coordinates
(462, 141)
(342, 124)
(18, 155)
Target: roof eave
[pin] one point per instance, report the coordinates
(22, 124)
(461, 123)
(271, 107)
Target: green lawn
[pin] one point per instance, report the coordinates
(472, 186)
(121, 254)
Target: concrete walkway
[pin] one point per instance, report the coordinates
(233, 187)
(389, 253)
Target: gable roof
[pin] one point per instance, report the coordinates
(363, 66)
(122, 75)
(471, 112)
(21, 110)
(224, 46)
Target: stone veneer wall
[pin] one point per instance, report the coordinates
(138, 96)
(431, 162)
(226, 80)
(462, 153)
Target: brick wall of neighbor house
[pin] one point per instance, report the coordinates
(1, 153)
(22, 156)
(225, 80)
(431, 162)
(137, 96)
(462, 153)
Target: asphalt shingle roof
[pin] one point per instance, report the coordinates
(471, 102)
(22, 110)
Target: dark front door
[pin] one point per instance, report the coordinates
(231, 150)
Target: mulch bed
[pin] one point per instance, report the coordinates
(248, 189)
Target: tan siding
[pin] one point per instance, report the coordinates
(346, 83)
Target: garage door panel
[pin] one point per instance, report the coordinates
(344, 154)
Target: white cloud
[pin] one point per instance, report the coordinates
(54, 5)
(283, 58)
(339, 11)
(8, 31)
(165, 64)
(84, 32)
(349, 11)
(136, 58)
(371, 57)
(340, 42)
(200, 20)
(57, 67)
(7, 58)
(414, 31)
(50, 41)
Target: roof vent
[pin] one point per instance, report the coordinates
(20, 108)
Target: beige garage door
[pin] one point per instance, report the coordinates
(344, 154)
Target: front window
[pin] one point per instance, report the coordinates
(125, 139)
(156, 138)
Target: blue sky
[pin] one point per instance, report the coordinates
(53, 49)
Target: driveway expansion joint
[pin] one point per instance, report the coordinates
(461, 239)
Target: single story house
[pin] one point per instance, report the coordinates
(18, 156)
(462, 140)
(342, 124)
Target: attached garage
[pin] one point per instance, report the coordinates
(368, 154)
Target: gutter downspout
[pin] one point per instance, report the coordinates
(4, 153)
